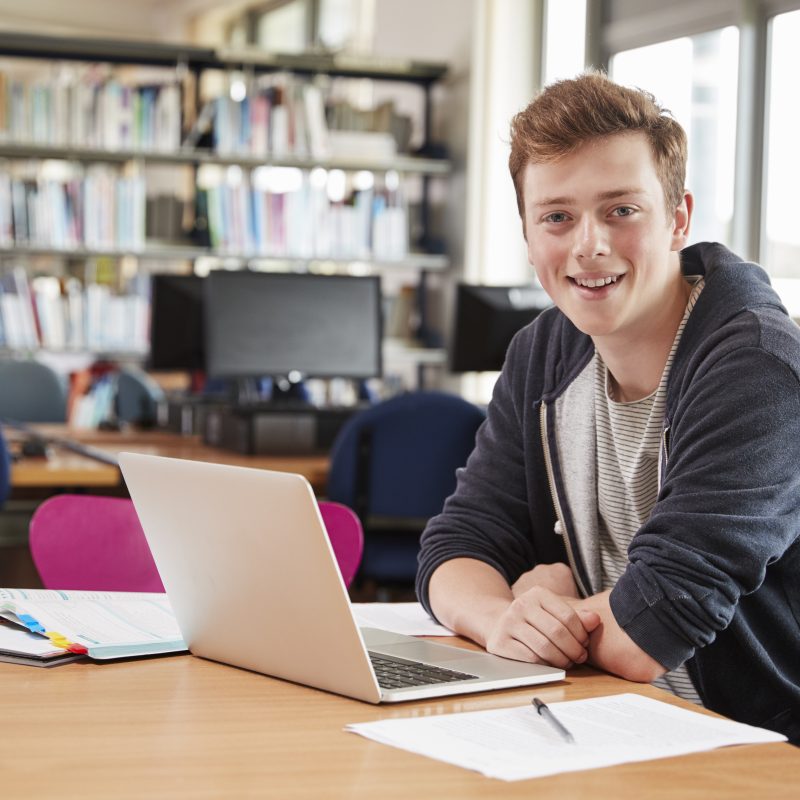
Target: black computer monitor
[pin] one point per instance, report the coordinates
(274, 324)
(176, 322)
(487, 317)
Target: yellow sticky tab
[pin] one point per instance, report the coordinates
(58, 640)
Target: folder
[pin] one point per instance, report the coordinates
(100, 625)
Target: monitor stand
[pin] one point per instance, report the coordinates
(281, 422)
(268, 394)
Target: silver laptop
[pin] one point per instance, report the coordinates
(253, 580)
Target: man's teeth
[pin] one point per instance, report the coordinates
(594, 282)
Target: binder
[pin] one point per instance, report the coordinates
(100, 625)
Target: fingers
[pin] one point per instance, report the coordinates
(541, 627)
(590, 619)
(508, 647)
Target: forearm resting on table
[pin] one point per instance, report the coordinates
(467, 596)
(611, 649)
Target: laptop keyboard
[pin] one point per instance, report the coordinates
(397, 673)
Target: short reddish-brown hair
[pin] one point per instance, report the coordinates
(568, 113)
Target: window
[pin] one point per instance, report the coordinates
(781, 250)
(564, 39)
(695, 77)
(698, 73)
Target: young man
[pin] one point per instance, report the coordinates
(634, 496)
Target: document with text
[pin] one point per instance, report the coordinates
(517, 743)
(99, 624)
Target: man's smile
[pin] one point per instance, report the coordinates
(592, 283)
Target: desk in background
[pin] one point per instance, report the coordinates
(183, 727)
(34, 479)
(64, 469)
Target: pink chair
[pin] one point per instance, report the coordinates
(346, 535)
(97, 543)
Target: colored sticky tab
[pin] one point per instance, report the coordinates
(58, 639)
(31, 624)
(78, 648)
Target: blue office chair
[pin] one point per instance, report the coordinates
(5, 470)
(138, 396)
(395, 465)
(31, 392)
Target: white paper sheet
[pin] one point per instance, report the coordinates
(408, 618)
(516, 743)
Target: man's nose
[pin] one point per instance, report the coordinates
(591, 239)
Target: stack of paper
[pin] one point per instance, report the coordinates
(19, 646)
(98, 624)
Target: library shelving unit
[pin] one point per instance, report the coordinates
(98, 114)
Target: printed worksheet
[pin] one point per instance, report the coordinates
(517, 743)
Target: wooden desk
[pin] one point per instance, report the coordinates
(34, 479)
(64, 469)
(182, 727)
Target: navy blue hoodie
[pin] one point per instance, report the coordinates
(713, 576)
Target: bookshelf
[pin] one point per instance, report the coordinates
(92, 137)
(413, 165)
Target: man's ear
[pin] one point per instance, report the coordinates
(681, 221)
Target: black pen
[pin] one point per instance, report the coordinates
(545, 712)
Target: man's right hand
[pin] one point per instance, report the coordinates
(540, 626)
(535, 623)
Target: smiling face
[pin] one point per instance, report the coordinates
(602, 243)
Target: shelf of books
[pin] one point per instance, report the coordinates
(154, 152)
(72, 316)
(113, 51)
(154, 251)
(269, 212)
(413, 165)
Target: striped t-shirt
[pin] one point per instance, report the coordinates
(628, 442)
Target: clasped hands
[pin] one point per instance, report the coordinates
(544, 622)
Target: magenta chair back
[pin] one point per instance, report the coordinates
(346, 535)
(97, 543)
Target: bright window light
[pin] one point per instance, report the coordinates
(696, 79)
(565, 39)
(782, 247)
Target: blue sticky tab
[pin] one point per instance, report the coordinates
(30, 623)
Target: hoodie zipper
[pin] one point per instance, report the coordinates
(556, 504)
(663, 454)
